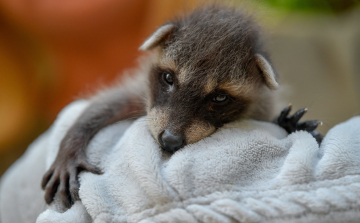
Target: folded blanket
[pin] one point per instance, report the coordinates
(248, 171)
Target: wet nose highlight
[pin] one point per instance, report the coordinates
(171, 142)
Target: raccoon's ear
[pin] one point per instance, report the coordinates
(268, 72)
(157, 37)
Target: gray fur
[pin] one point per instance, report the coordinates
(208, 53)
(214, 48)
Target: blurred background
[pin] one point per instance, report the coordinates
(53, 52)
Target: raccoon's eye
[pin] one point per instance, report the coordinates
(168, 78)
(220, 98)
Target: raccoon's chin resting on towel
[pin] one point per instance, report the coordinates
(247, 171)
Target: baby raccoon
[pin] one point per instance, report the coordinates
(207, 69)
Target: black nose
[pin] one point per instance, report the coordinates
(171, 142)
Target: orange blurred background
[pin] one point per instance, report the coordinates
(52, 52)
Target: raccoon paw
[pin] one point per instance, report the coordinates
(62, 177)
(291, 123)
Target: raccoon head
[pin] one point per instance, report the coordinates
(210, 70)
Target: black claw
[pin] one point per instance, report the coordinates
(46, 179)
(292, 124)
(297, 115)
(51, 189)
(284, 113)
(66, 199)
(67, 204)
(49, 199)
(308, 126)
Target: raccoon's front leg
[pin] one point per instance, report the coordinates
(292, 124)
(106, 108)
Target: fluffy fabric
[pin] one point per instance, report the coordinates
(248, 171)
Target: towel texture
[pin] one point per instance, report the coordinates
(248, 171)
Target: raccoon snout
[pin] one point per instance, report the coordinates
(171, 142)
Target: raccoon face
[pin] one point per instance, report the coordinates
(183, 113)
(202, 80)
(187, 104)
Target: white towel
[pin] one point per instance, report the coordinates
(248, 171)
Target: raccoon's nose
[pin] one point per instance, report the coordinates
(170, 142)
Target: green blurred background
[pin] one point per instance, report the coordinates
(54, 52)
